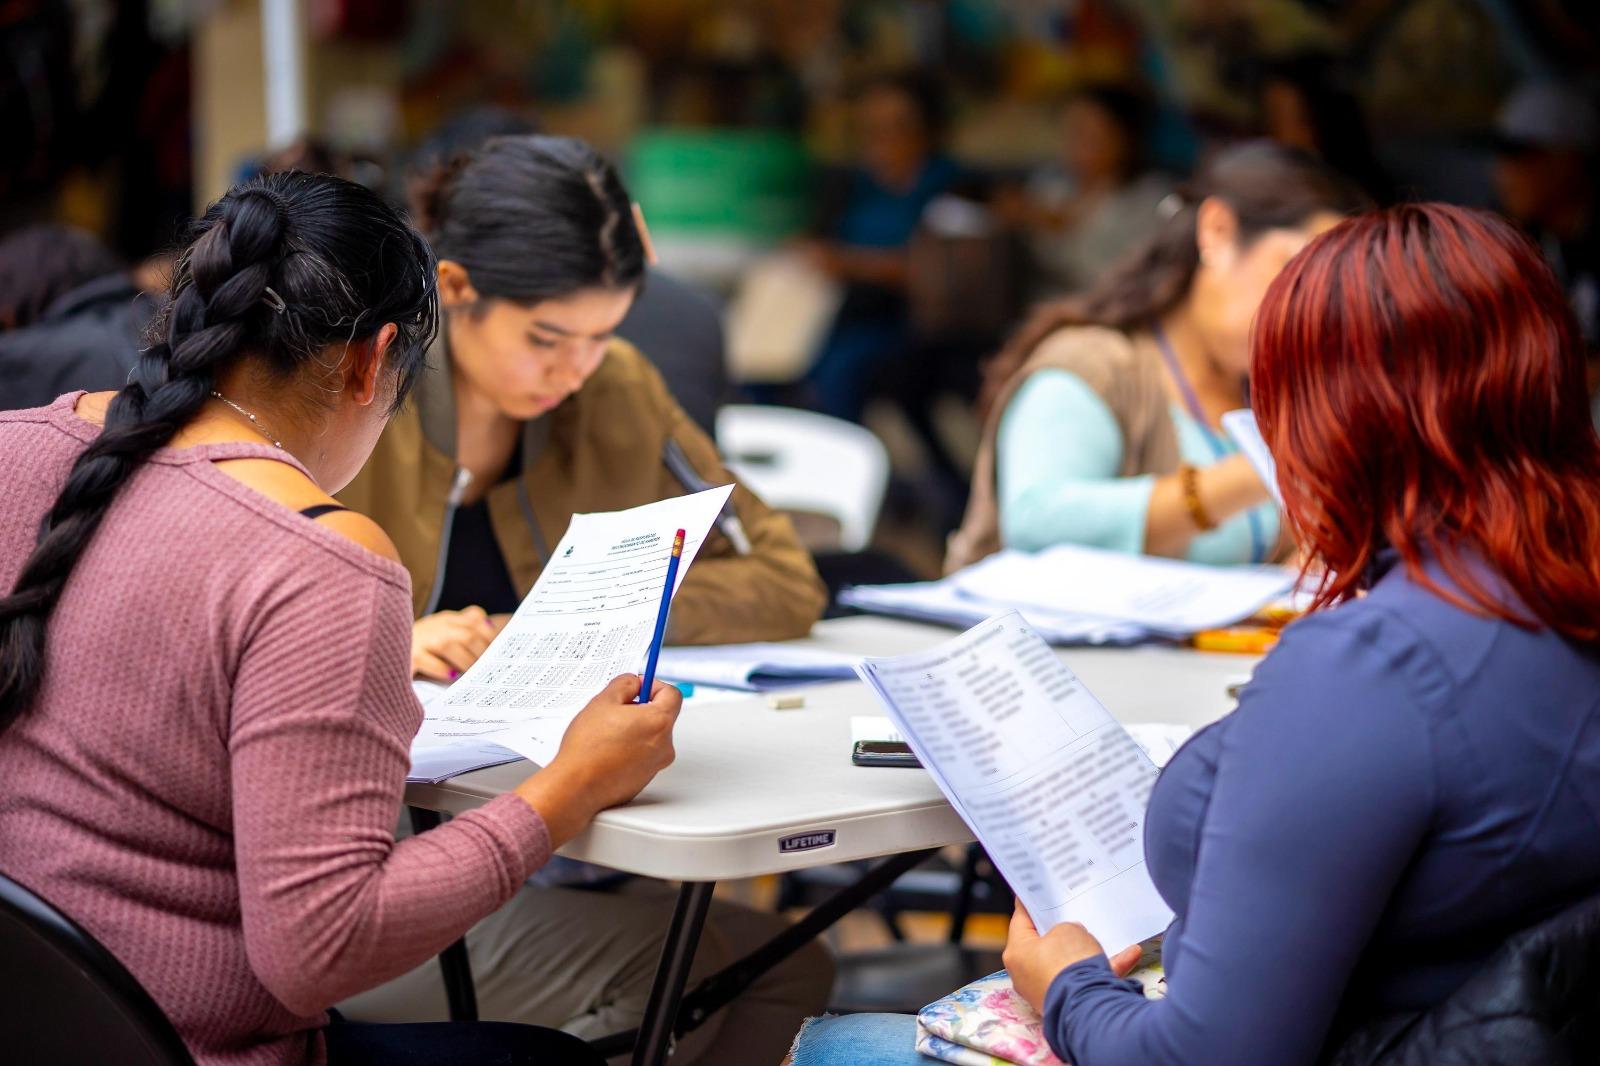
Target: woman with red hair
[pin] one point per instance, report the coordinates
(1413, 774)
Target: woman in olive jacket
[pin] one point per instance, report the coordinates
(532, 411)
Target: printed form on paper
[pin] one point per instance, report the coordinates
(589, 618)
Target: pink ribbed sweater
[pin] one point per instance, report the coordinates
(210, 778)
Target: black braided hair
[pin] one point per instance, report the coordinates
(532, 218)
(339, 264)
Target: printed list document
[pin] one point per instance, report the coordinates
(1166, 596)
(589, 618)
(1241, 426)
(1053, 786)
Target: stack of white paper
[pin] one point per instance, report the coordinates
(1076, 595)
(1165, 596)
(1050, 783)
(754, 667)
(941, 602)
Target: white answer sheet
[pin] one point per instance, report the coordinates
(754, 666)
(1163, 595)
(1053, 786)
(1241, 426)
(589, 618)
(449, 744)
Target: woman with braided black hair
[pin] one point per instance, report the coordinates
(205, 699)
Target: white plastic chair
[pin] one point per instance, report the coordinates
(808, 463)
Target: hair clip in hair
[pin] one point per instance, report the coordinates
(1170, 205)
(274, 301)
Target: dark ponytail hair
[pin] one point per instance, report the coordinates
(278, 269)
(1267, 185)
(532, 218)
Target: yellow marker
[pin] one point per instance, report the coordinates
(1278, 614)
(1241, 641)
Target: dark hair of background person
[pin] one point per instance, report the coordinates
(466, 131)
(343, 263)
(1419, 376)
(1130, 109)
(925, 92)
(39, 264)
(532, 218)
(1268, 187)
(1338, 126)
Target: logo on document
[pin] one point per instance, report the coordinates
(821, 838)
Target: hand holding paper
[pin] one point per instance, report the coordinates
(588, 619)
(1050, 783)
(608, 753)
(1033, 961)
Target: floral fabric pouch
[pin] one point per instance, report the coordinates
(988, 1024)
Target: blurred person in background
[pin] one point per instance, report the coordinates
(1304, 104)
(1098, 200)
(1547, 137)
(1103, 412)
(71, 316)
(867, 221)
(533, 410)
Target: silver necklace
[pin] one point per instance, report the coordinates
(254, 421)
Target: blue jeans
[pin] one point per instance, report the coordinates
(859, 1040)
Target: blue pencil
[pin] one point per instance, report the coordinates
(649, 677)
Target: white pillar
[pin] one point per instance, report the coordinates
(283, 52)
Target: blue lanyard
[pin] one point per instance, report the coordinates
(1258, 547)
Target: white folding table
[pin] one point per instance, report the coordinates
(757, 791)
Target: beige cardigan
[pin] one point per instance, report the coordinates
(1125, 372)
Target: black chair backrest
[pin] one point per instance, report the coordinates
(1535, 1001)
(65, 999)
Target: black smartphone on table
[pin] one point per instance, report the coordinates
(883, 753)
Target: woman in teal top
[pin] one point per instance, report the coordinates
(1104, 413)
(1050, 494)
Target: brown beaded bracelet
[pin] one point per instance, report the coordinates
(1190, 478)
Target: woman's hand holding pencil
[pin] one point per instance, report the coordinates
(616, 744)
(612, 749)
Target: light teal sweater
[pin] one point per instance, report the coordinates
(1057, 457)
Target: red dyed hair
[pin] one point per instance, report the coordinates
(1420, 379)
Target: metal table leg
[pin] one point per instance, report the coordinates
(677, 954)
(454, 962)
(719, 989)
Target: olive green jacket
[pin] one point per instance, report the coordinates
(611, 445)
